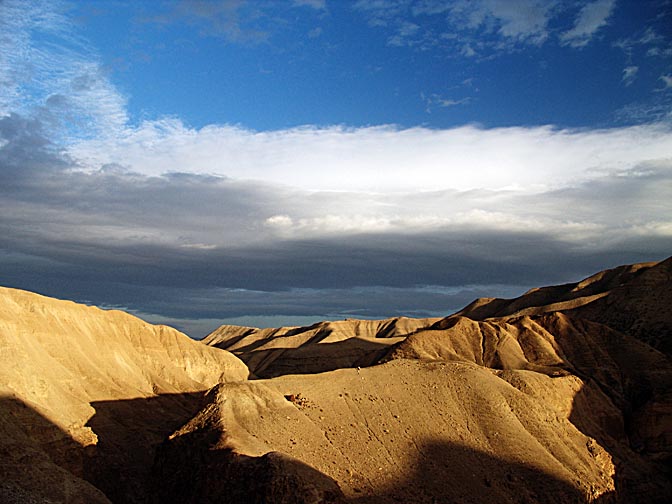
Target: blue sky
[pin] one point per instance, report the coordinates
(280, 64)
(281, 162)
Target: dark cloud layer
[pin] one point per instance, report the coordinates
(200, 247)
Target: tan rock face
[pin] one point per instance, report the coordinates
(406, 431)
(519, 410)
(633, 299)
(68, 378)
(321, 347)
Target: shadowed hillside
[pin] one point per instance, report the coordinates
(632, 299)
(550, 397)
(324, 346)
(62, 360)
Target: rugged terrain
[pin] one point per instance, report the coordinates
(324, 346)
(85, 394)
(561, 395)
(634, 299)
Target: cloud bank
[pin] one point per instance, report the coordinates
(192, 246)
(382, 159)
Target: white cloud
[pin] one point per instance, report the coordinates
(101, 234)
(406, 33)
(591, 18)
(443, 102)
(518, 21)
(656, 44)
(381, 159)
(61, 83)
(315, 4)
(315, 33)
(486, 27)
(667, 81)
(468, 51)
(454, 24)
(522, 20)
(436, 100)
(629, 74)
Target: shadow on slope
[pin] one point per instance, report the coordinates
(128, 433)
(313, 358)
(41, 461)
(451, 473)
(195, 471)
(637, 443)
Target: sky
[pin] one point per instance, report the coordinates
(280, 162)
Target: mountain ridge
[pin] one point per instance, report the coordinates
(567, 401)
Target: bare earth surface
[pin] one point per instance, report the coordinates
(561, 395)
(324, 346)
(68, 379)
(635, 299)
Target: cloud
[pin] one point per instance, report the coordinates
(652, 39)
(198, 246)
(590, 19)
(63, 85)
(485, 27)
(406, 32)
(667, 81)
(456, 24)
(235, 21)
(380, 159)
(436, 100)
(315, 4)
(519, 20)
(629, 74)
(189, 224)
(315, 33)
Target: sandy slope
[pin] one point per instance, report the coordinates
(547, 425)
(324, 346)
(407, 431)
(634, 299)
(67, 370)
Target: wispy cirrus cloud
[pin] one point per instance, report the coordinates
(65, 86)
(484, 27)
(315, 4)
(519, 21)
(629, 74)
(438, 23)
(666, 80)
(591, 18)
(654, 43)
(235, 21)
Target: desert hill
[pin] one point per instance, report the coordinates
(558, 396)
(61, 359)
(324, 346)
(634, 299)
(541, 409)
